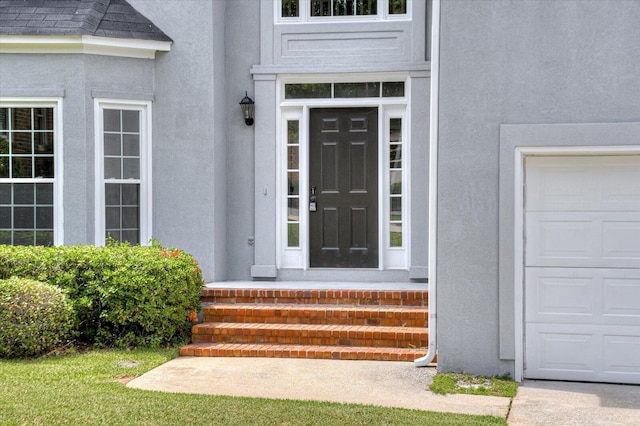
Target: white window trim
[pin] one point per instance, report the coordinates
(519, 157)
(305, 14)
(396, 258)
(58, 163)
(144, 107)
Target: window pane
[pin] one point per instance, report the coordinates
(112, 218)
(111, 120)
(293, 134)
(112, 145)
(21, 143)
(44, 143)
(131, 168)
(131, 121)
(396, 208)
(313, 90)
(395, 236)
(23, 193)
(112, 168)
(44, 238)
(293, 183)
(5, 218)
(5, 237)
(293, 212)
(43, 118)
(130, 217)
(112, 194)
(23, 217)
(293, 235)
(395, 156)
(44, 193)
(397, 7)
(395, 182)
(5, 193)
(292, 157)
(132, 237)
(21, 167)
(342, 7)
(21, 119)
(4, 167)
(44, 167)
(4, 119)
(130, 194)
(395, 130)
(290, 8)
(357, 90)
(366, 7)
(44, 217)
(320, 7)
(393, 89)
(4, 143)
(131, 145)
(23, 238)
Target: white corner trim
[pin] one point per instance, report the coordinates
(89, 45)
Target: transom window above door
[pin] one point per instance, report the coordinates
(310, 10)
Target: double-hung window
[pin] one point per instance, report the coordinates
(30, 172)
(123, 171)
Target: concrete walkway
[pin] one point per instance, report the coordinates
(392, 384)
(384, 383)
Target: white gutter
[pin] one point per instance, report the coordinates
(433, 181)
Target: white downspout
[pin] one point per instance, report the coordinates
(433, 181)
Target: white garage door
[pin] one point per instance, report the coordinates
(582, 268)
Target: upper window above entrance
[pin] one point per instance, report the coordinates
(311, 10)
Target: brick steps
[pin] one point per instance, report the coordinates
(306, 334)
(301, 351)
(317, 314)
(382, 325)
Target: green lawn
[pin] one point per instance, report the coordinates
(83, 389)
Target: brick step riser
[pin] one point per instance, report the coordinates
(318, 352)
(316, 297)
(310, 301)
(305, 340)
(316, 320)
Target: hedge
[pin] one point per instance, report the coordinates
(36, 317)
(122, 295)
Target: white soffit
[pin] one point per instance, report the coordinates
(91, 45)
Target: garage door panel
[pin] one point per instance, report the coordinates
(622, 353)
(589, 183)
(583, 239)
(582, 296)
(555, 294)
(561, 348)
(570, 352)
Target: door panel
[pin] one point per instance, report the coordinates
(343, 175)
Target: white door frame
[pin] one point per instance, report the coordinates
(519, 230)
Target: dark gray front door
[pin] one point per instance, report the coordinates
(343, 177)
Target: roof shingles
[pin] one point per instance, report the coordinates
(102, 18)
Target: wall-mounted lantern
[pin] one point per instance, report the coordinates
(247, 105)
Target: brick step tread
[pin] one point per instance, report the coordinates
(316, 297)
(319, 314)
(301, 351)
(306, 334)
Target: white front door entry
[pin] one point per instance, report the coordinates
(582, 268)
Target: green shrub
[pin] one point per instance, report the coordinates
(35, 317)
(123, 296)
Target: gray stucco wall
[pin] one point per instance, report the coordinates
(189, 149)
(508, 62)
